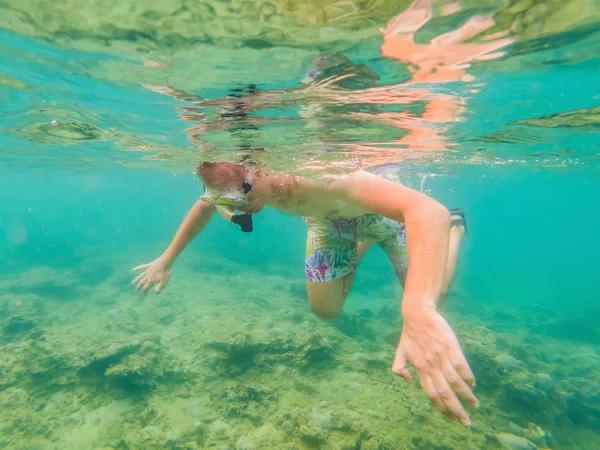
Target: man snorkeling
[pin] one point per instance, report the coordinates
(345, 218)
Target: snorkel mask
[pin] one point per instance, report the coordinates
(232, 198)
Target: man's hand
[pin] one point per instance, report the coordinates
(429, 344)
(158, 273)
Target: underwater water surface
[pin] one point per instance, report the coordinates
(106, 108)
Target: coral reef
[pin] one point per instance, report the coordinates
(183, 371)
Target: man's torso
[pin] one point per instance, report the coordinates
(303, 197)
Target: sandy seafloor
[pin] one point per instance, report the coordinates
(231, 358)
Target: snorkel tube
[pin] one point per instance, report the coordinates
(243, 220)
(236, 116)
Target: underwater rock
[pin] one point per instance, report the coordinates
(244, 444)
(200, 433)
(583, 400)
(512, 442)
(46, 283)
(536, 435)
(323, 420)
(17, 324)
(507, 362)
(367, 362)
(357, 324)
(515, 429)
(127, 320)
(20, 419)
(355, 386)
(196, 409)
(132, 379)
(219, 428)
(92, 271)
(3, 307)
(99, 363)
(312, 437)
(247, 402)
(353, 415)
(267, 436)
(172, 438)
(244, 351)
(545, 382)
(295, 316)
(373, 414)
(166, 319)
(13, 397)
(520, 393)
(150, 432)
(137, 371)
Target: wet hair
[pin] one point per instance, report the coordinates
(220, 173)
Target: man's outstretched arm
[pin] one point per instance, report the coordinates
(427, 341)
(194, 222)
(158, 271)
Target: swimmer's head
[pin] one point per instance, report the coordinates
(334, 65)
(229, 185)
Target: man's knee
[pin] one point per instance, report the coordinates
(325, 310)
(326, 299)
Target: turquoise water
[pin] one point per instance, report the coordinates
(98, 172)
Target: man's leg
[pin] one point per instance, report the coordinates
(326, 298)
(397, 252)
(457, 234)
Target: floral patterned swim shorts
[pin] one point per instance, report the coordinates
(331, 245)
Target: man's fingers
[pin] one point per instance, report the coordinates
(458, 361)
(143, 266)
(431, 392)
(404, 373)
(399, 367)
(160, 285)
(472, 27)
(148, 285)
(139, 283)
(450, 8)
(500, 34)
(490, 56)
(448, 397)
(138, 278)
(457, 384)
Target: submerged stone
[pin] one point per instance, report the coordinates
(538, 436)
(507, 362)
(353, 415)
(244, 444)
(196, 409)
(150, 432)
(219, 428)
(512, 442)
(515, 429)
(18, 324)
(546, 382)
(323, 420)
